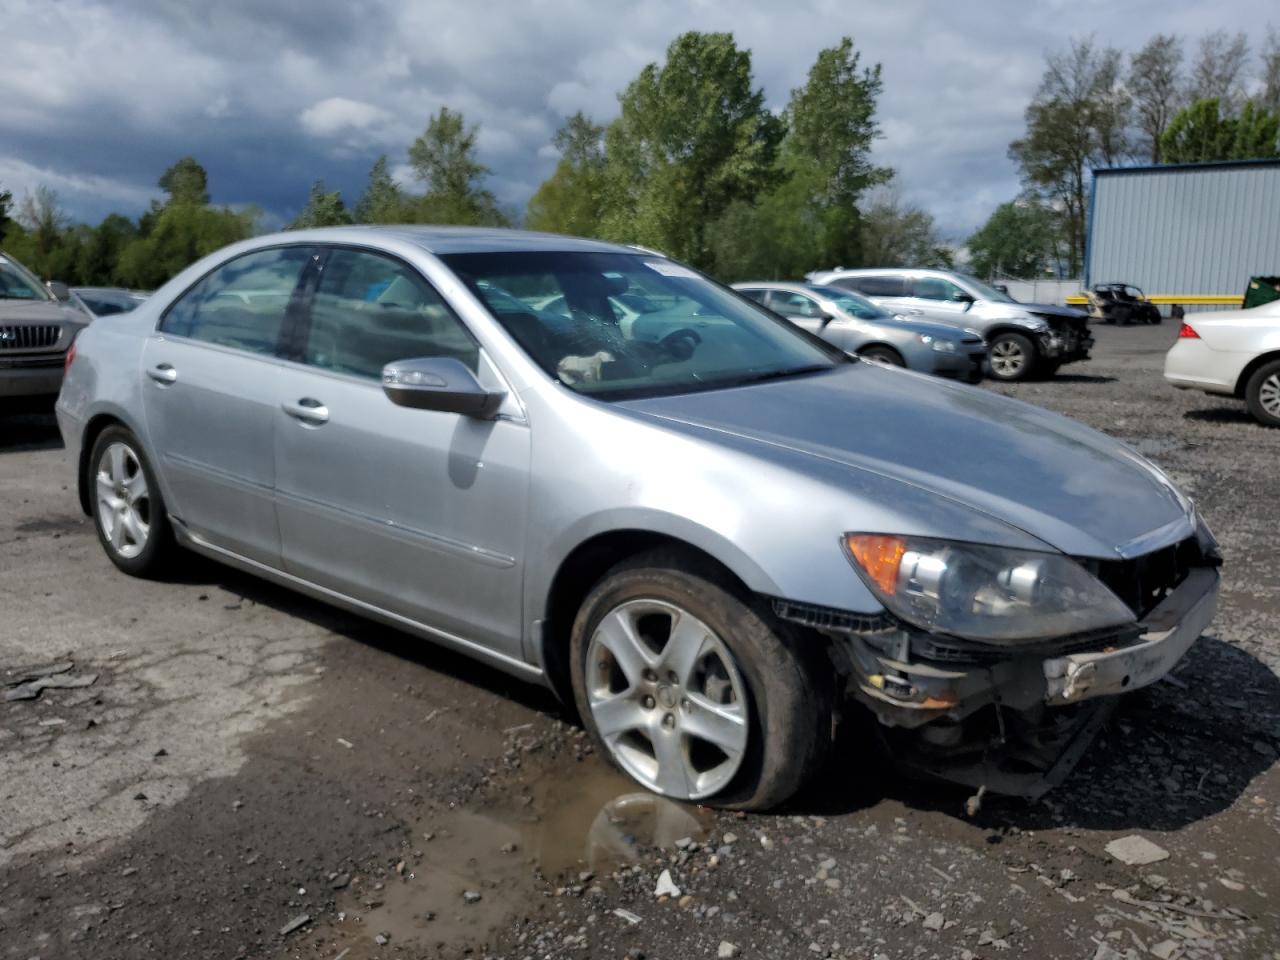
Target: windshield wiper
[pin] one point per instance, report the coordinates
(778, 374)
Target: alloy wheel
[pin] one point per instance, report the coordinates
(667, 699)
(1007, 358)
(124, 500)
(1269, 395)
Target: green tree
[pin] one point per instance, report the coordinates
(98, 257)
(323, 209)
(1220, 70)
(1269, 98)
(186, 182)
(382, 200)
(6, 205)
(1076, 121)
(898, 234)
(693, 136)
(44, 221)
(572, 199)
(1202, 133)
(443, 159)
(1155, 82)
(1017, 240)
(181, 234)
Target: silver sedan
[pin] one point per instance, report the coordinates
(856, 325)
(709, 530)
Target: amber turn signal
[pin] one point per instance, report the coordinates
(879, 557)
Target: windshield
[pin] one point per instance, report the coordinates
(17, 284)
(573, 314)
(851, 303)
(986, 292)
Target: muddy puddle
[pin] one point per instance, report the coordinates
(480, 867)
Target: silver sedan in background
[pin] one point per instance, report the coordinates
(709, 530)
(856, 325)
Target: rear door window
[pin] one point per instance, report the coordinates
(793, 304)
(370, 310)
(242, 304)
(874, 286)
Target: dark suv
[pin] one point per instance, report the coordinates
(38, 324)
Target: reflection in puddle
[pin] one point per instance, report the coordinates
(590, 820)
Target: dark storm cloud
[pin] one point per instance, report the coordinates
(97, 98)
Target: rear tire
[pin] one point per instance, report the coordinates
(885, 355)
(1011, 357)
(694, 689)
(128, 508)
(1262, 393)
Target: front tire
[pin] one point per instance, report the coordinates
(1011, 357)
(128, 509)
(883, 355)
(1262, 393)
(694, 689)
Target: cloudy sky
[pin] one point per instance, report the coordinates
(97, 98)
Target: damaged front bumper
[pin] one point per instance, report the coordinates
(1011, 719)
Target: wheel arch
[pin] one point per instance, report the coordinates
(882, 345)
(1251, 368)
(997, 329)
(93, 428)
(586, 565)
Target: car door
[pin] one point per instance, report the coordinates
(210, 398)
(936, 298)
(417, 512)
(802, 310)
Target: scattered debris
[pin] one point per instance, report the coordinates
(934, 921)
(518, 728)
(341, 881)
(346, 743)
(296, 923)
(1136, 851)
(727, 950)
(471, 896)
(627, 915)
(29, 689)
(666, 887)
(36, 673)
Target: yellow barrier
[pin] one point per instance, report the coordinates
(1187, 299)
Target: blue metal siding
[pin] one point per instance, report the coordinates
(1200, 230)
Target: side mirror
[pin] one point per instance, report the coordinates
(439, 383)
(963, 298)
(60, 290)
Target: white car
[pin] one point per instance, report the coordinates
(1235, 353)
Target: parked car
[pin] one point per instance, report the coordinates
(856, 325)
(107, 301)
(38, 323)
(705, 543)
(1121, 303)
(1023, 339)
(1232, 352)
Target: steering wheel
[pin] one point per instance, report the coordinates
(680, 344)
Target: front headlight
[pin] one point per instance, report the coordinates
(978, 592)
(933, 343)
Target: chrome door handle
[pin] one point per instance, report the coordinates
(163, 373)
(308, 410)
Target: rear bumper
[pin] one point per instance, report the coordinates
(1191, 365)
(30, 382)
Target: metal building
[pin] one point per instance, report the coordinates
(1185, 233)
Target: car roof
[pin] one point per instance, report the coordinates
(890, 272)
(446, 240)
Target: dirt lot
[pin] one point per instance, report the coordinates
(253, 775)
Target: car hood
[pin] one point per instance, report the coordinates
(38, 311)
(943, 331)
(1068, 486)
(1052, 309)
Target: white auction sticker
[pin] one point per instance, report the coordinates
(669, 269)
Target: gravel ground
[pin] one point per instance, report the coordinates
(253, 775)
